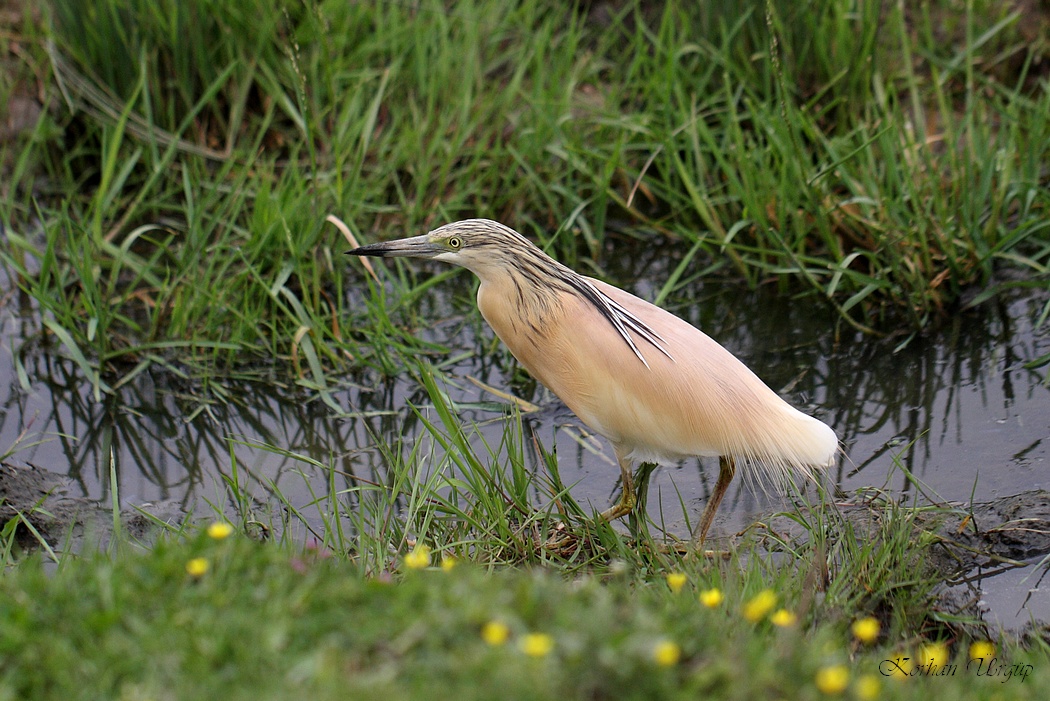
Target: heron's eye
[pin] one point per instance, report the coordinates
(455, 242)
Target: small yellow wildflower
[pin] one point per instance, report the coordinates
(666, 653)
(197, 566)
(933, 654)
(760, 605)
(447, 562)
(219, 530)
(981, 649)
(495, 633)
(783, 618)
(832, 680)
(868, 687)
(866, 630)
(419, 558)
(537, 644)
(675, 581)
(711, 598)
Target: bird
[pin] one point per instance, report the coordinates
(655, 386)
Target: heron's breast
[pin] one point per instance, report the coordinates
(576, 353)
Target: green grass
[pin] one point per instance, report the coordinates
(170, 202)
(263, 622)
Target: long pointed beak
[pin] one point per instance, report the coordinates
(415, 247)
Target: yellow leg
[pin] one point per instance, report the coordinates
(726, 470)
(628, 498)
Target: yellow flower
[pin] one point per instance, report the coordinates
(419, 558)
(537, 644)
(783, 618)
(675, 581)
(495, 633)
(866, 630)
(197, 566)
(832, 680)
(219, 530)
(933, 654)
(760, 605)
(667, 653)
(981, 649)
(711, 598)
(447, 562)
(868, 687)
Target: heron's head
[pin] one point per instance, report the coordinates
(480, 245)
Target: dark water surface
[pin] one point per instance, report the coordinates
(955, 407)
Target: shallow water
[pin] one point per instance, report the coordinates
(955, 407)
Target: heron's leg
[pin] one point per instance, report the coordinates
(726, 470)
(628, 498)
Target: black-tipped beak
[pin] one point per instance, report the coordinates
(415, 247)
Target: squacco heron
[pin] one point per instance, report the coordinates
(656, 387)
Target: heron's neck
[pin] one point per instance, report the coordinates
(521, 303)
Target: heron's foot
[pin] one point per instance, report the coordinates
(716, 554)
(688, 550)
(629, 496)
(622, 508)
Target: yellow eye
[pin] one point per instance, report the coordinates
(454, 242)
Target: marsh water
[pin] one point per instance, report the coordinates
(956, 408)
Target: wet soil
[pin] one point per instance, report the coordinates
(990, 558)
(44, 505)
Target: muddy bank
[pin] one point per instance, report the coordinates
(1007, 529)
(40, 501)
(994, 533)
(987, 557)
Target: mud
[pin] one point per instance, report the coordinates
(40, 502)
(1003, 531)
(1012, 528)
(988, 557)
